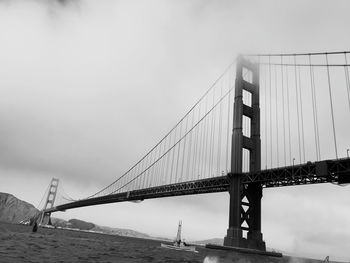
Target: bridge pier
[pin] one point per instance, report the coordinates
(234, 237)
(245, 200)
(254, 235)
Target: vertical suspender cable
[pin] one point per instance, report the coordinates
(204, 142)
(288, 114)
(153, 169)
(283, 113)
(133, 172)
(297, 98)
(172, 159)
(160, 163)
(314, 108)
(331, 103)
(159, 166)
(178, 156)
(164, 159)
(147, 171)
(346, 70)
(212, 132)
(189, 158)
(276, 115)
(197, 149)
(207, 135)
(207, 146)
(130, 175)
(302, 116)
(218, 165)
(265, 109)
(270, 112)
(167, 165)
(142, 172)
(139, 171)
(201, 147)
(156, 167)
(136, 169)
(183, 151)
(228, 123)
(168, 179)
(139, 174)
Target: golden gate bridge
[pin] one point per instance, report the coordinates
(270, 120)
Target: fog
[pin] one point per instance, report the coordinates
(88, 87)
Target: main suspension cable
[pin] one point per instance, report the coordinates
(180, 139)
(176, 125)
(43, 197)
(296, 54)
(307, 65)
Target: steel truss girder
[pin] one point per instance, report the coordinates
(327, 171)
(310, 173)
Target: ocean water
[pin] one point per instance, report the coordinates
(19, 244)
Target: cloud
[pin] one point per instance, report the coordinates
(83, 79)
(88, 87)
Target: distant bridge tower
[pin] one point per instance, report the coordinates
(245, 200)
(49, 203)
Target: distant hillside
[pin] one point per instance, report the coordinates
(120, 231)
(80, 224)
(87, 226)
(14, 210)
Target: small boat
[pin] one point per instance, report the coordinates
(178, 243)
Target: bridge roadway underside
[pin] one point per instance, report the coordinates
(329, 171)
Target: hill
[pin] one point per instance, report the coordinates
(87, 226)
(14, 210)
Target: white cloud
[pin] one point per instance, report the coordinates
(86, 88)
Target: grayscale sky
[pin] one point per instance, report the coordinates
(87, 87)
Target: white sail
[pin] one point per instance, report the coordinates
(179, 244)
(178, 236)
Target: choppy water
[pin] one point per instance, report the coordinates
(19, 244)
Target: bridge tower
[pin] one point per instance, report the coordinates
(245, 200)
(45, 218)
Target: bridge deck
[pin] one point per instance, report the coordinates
(329, 171)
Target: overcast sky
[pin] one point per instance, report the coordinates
(87, 87)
